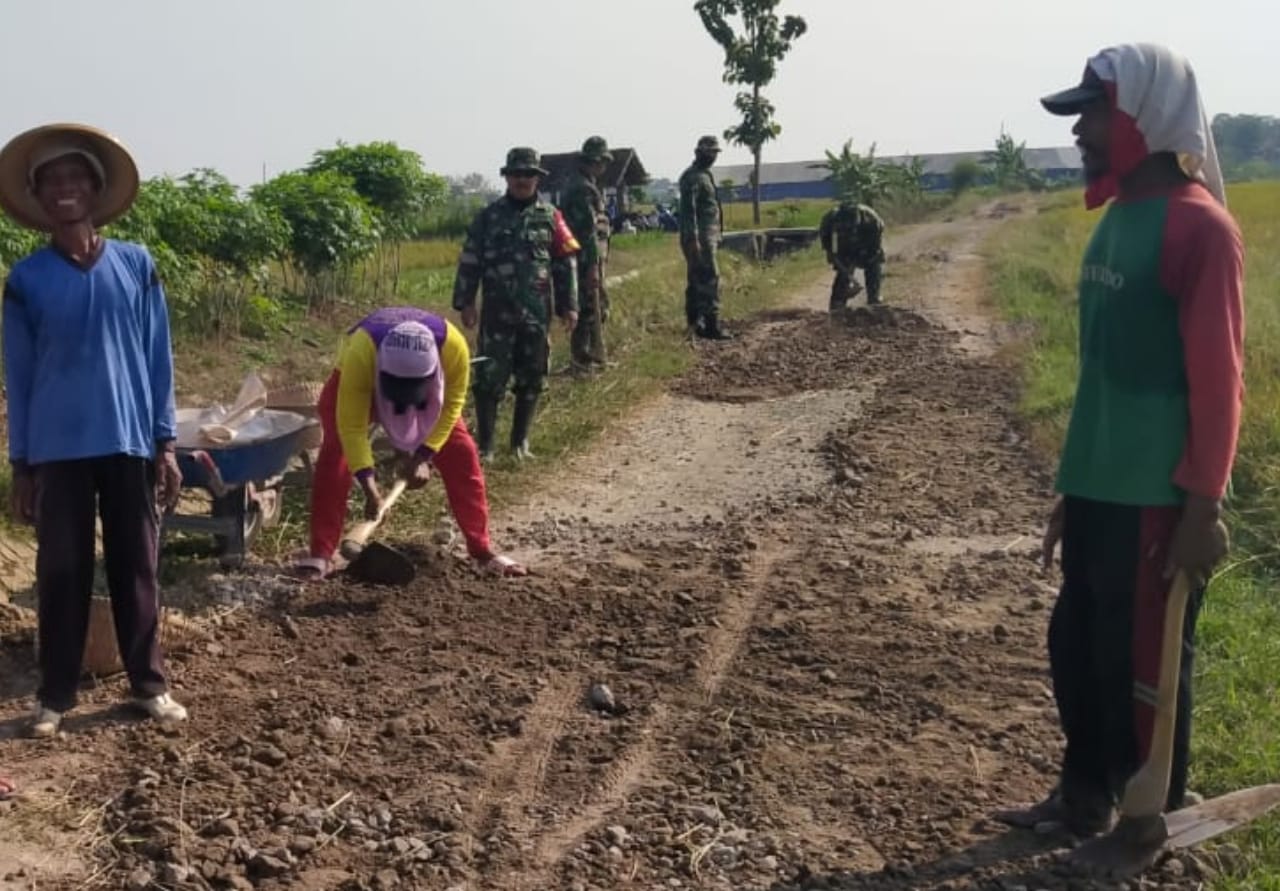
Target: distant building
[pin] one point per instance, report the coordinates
(808, 179)
(625, 171)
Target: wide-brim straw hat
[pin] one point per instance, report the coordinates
(43, 144)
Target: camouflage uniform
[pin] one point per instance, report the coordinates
(852, 235)
(523, 253)
(584, 211)
(701, 219)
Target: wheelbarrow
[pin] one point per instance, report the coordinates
(244, 478)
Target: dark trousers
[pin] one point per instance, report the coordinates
(70, 494)
(587, 340)
(1104, 649)
(842, 287)
(517, 352)
(702, 283)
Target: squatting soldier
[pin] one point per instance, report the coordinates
(853, 237)
(584, 211)
(701, 219)
(523, 251)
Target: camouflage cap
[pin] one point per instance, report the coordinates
(523, 159)
(595, 149)
(708, 144)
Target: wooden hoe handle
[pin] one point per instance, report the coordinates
(356, 539)
(1146, 791)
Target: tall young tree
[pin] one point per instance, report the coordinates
(754, 40)
(393, 182)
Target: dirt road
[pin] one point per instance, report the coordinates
(807, 578)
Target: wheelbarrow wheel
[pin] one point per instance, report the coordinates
(242, 507)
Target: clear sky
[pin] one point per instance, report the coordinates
(239, 84)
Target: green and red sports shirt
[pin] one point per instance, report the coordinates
(1158, 401)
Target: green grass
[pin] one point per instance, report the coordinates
(807, 212)
(1235, 744)
(800, 212)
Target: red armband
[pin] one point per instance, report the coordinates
(563, 242)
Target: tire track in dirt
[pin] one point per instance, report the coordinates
(618, 781)
(734, 621)
(518, 770)
(629, 769)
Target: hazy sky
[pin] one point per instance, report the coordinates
(236, 84)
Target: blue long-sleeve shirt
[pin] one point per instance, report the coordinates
(87, 357)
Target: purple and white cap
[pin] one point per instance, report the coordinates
(410, 389)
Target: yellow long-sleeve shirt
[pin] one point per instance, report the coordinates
(358, 367)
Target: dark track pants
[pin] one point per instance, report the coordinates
(1104, 648)
(70, 494)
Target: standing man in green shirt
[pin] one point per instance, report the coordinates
(1152, 437)
(583, 209)
(701, 220)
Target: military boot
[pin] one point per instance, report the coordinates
(711, 329)
(486, 421)
(526, 404)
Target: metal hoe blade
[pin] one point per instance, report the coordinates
(379, 564)
(1136, 842)
(1193, 825)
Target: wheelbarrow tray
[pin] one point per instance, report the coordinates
(263, 450)
(243, 476)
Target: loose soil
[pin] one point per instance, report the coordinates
(807, 577)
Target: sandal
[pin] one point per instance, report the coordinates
(502, 566)
(311, 569)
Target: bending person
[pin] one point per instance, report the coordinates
(406, 370)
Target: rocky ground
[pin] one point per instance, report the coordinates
(786, 632)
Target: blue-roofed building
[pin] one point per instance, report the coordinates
(808, 179)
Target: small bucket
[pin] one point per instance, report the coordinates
(101, 653)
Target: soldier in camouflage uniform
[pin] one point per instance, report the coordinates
(522, 251)
(701, 219)
(852, 235)
(583, 206)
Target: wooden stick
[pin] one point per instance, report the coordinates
(356, 539)
(1146, 791)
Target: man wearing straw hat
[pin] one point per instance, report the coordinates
(89, 372)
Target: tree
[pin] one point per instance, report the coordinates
(868, 180)
(331, 226)
(393, 183)
(16, 242)
(906, 181)
(754, 41)
(1008, 165)
(965, 175)
(857, 177)
(391, 179)
(472, 184)
(204, 214)
(1248, 145)
(211, 246)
